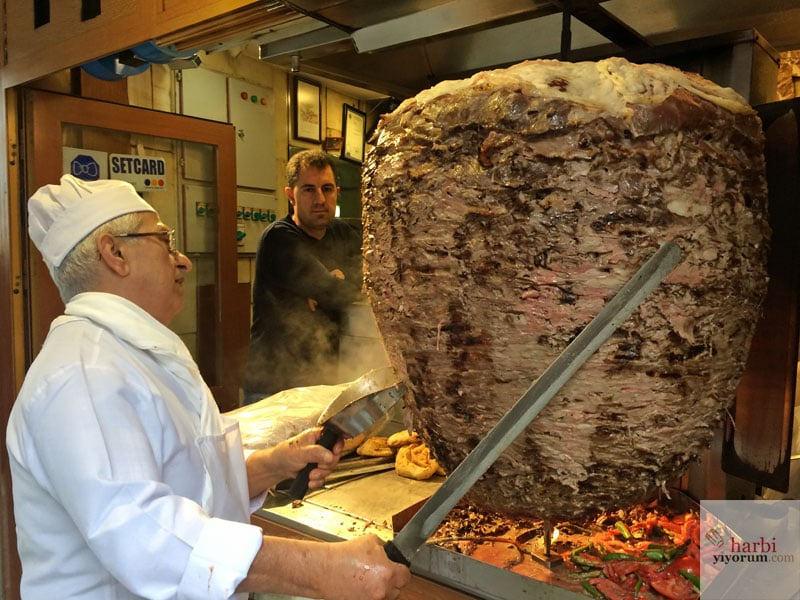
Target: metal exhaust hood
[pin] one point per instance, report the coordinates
(399, 47)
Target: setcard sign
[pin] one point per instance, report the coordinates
(145, 173)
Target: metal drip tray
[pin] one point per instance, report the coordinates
(369, 504)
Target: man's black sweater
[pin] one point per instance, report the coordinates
(291, 344)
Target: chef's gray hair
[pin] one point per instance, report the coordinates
(78, 270)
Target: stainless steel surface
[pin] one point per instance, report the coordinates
(437, 20)
(354, 461)
(365, 406)
(303, 42)
(368, 415)
(352, 508)
(350, 468)
(514, 422)
(672, 20)
(321, 522)
(415, 43)
(369, 384)
(361, 409)
(367, 506)
(483, 580)
(379, 496)
(339, 476)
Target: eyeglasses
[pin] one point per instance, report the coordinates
(168, 237)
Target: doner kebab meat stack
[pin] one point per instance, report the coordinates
(502, 211)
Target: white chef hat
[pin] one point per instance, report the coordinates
(60, 216)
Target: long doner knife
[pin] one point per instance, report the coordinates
(406, 543)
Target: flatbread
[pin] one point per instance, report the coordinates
(352, 443)
(402, 438)
(415, 462)
(375, 446)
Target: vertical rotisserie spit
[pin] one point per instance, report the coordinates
(503, 211)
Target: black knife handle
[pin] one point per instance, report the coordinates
(299, 486)
(395, 555)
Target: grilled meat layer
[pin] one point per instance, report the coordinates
(502, 212)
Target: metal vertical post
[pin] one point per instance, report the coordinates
(566, 32)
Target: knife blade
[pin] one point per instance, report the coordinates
(361, 408)
(406, 543)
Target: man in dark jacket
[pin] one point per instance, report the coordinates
(308, 268)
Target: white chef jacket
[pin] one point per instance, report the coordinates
(127, 481)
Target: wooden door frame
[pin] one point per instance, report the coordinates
(9, 571)
(49, 112)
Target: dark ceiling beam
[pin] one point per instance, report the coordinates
(590, 13)
(316, 15)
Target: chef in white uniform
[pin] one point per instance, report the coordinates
(127, 481)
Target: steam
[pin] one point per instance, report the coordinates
(321, 354)
(361, 347)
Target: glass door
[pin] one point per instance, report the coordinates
(184, 167)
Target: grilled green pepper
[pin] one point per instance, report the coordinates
(591, 574)
(587, 563)
(638, 586)
(657, 555)
(676, 551)
(623, 529)
(592, 591)
(618, 556)
(694, 579)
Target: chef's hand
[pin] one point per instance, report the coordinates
(268, 467)
(296, 452)
(359, 568)
(355, 569)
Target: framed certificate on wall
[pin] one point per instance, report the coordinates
(307, 110)
(353, 127)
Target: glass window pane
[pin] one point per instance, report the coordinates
(181, 186)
